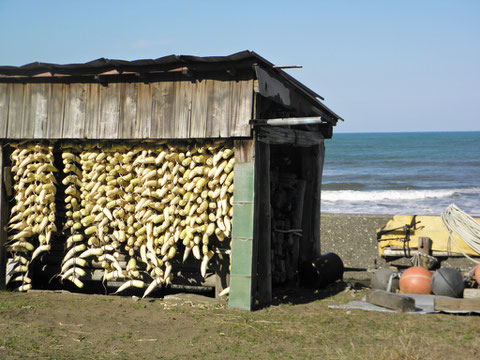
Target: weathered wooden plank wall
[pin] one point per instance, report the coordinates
(143, 121)
(56, 108)
(75, 109)
(15, 111)
(128, 109)
(170, 109)
(39, 110)
(4, 107)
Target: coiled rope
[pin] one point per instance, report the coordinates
(415, 260)
(466, 227)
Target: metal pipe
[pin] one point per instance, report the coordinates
(294, 121)
(288, 66)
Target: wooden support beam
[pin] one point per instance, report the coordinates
(312, 167)
(3, 222)
(182, 276)
(297, 219)
(281, 136)
(8, 180)
(391, 301)
(452, 304)
(319, 158)
(262, 222)
(308, 174)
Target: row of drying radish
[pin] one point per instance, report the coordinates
(142, 203)
(32, 218)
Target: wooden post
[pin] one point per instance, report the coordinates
(451, 304)
(425, 247)
(319, 160)
(297, 219)
(262, 222)
(391, 301)
(244, 248)
(312, 168)
(3, 223)
(308, 174)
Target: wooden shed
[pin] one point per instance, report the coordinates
(275, 126)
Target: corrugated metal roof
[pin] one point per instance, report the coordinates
(103, 65)
(240, 60)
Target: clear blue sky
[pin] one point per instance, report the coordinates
(382, 65)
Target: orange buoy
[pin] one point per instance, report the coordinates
(477, 273)
(416, 280)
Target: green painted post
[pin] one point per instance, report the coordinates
(241, 279)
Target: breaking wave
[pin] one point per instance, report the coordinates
(395, 195)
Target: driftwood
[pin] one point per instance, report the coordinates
(445, 304)
(391, 301)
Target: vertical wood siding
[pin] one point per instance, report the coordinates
(4, 108)
(174, 109)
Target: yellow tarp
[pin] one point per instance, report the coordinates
(427, 226)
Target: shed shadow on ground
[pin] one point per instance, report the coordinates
(302, 295)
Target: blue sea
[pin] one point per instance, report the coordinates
(401, 173)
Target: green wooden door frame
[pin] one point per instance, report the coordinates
(241, 275)
(250, 276)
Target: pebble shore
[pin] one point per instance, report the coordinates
(353, 237)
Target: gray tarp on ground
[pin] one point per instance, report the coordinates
(423, 305)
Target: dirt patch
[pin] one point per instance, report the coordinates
(67, 325)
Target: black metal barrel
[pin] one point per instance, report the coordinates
(322, 271)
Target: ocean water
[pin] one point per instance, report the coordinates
(401, 173)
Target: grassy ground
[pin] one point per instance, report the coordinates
(65, 326)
